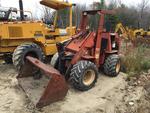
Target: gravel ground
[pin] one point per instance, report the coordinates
(110, 95)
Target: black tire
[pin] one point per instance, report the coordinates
(24, 50)
(112, 65)
(8, 59)
(55, 61)
(77, 76)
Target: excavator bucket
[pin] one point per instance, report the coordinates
(47, 89)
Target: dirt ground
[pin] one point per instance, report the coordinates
(110, 95)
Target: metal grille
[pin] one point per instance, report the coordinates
(15, 32)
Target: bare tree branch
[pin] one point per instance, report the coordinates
(142, 8)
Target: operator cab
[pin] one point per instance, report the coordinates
(58, 25)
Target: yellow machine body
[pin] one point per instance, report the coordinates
(13, 34)
(125, 32)
(137, 36)
(129, 33)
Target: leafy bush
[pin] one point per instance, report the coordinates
(146, 65)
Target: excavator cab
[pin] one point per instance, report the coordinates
(58, 25)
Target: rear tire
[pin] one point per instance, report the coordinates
(24, 50)
(55, 60)
(112, 65)
(84, 75)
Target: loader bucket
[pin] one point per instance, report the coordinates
(44, 91)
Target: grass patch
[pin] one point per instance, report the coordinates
(136, 61)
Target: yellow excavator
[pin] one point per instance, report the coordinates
(137, 36)
(129, 33)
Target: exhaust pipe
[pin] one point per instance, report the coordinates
(21, 10)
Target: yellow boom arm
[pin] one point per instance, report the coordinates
(57, 5)
(125, 32)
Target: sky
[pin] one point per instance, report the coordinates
(34, 6)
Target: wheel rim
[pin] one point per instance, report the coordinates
(118, 67)
(89, 77)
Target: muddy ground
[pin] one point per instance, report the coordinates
(110, 95)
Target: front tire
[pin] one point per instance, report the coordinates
(30, 49)
(8, 58)
(112, 65)
(84, 75)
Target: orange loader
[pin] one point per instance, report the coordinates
(77, 63)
